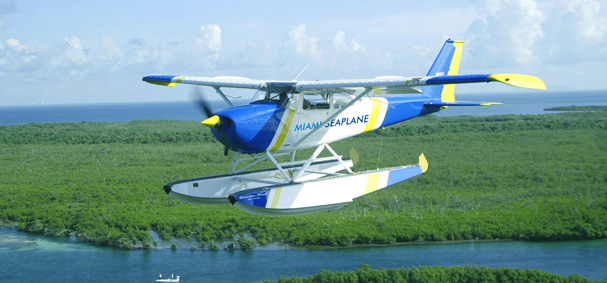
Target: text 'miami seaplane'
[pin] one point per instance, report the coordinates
(295, 115)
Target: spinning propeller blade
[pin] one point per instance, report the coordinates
(201, 100)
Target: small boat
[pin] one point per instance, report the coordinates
(172, 279)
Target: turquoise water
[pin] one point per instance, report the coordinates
(33, 258)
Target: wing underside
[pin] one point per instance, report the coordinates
(382, 85)
(222, 81)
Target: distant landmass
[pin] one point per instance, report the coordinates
(578, 108)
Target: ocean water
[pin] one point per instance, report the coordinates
(514, 103)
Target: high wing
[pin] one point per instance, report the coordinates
(392, 82)
(380, 85)
(221, 81)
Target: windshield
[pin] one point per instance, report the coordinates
(276, 93)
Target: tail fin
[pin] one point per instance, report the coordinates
(446, 63)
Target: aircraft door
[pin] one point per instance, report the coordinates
(314, 109)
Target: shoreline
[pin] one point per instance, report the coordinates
(275, 246)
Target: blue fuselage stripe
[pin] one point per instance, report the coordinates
(252, 127)
(402, 108)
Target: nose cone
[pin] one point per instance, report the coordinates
(212, 122)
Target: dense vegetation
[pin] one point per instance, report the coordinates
(499, 177)
(436, 274)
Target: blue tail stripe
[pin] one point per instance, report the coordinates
(458, 79)
(443, 60)
(440, 67)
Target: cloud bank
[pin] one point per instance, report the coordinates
(526, 35)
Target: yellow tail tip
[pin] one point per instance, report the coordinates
(524, 81)
(212, 122)
(423, 163)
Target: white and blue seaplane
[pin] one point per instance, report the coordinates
(286, 116)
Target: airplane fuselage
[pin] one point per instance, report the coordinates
(266, 126)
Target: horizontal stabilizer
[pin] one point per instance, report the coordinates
(459, 103)
(524, 81)
(517, 80)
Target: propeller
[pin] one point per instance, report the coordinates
(201, 99)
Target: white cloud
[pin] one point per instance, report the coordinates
(527, 32)
(584, 16)
(75, 52)
(14, 55)
(111, 50)
(303, 43)
(15, 45)
(340, 44)
(508, 32)
(72, 54)
(211, 38)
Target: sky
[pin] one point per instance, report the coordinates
(66, 52)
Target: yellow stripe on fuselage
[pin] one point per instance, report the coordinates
(372, 183)
(284, 131)
(276, 197)
(374, 113)
(448, 93)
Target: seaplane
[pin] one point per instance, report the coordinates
(289, 116)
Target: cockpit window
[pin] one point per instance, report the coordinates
(278, 93)
(279, 99)
(315, 101)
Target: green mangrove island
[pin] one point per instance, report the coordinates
(436, 274)
(521, 177)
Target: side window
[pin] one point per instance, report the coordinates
(340, 100)
(315, 101)
(278, 98)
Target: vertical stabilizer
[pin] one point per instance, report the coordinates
(446, 63)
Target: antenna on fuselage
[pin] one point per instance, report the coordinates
(301, 72)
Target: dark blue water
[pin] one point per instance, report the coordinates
(32, 258)
(514, 103)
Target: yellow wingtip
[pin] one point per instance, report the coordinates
(423, 163)
(524, 81)
(212, 122)
(171, 84)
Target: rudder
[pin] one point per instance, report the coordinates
(446, 63)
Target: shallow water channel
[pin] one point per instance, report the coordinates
(33, 258)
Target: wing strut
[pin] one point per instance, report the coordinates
(357, 98)
(223, 96)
